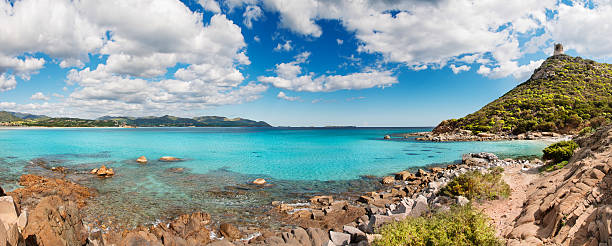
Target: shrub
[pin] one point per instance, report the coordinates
(458, 226)
(476, 185)
(552, 167)
(561, 151)
(586, 131)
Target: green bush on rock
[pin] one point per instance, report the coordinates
(559, 154)
(458, 226)
(561, 151)
(476, 185)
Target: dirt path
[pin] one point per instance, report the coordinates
(504, 212)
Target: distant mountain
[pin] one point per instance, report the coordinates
(24, 119)
(202, 121)
(6, 116)
(564, 95)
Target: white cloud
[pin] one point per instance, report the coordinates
(289, 76)
(7, 82)
(39, 96)
(425, 34)
(140, 40)
(283, 96)
(210, 5)
(286, 46)
(58, 95)
(458, 69)
(251, 13)
(584, 29)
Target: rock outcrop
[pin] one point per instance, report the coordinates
(55, 222)
(36, 187)
(573, 205)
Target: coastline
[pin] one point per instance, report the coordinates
(341, 217)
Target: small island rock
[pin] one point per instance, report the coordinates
(259, 181)
(387, 137)
(142, 159)
(103, 171)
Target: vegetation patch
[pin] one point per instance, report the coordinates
(558, 154)
(564, 95)
(476, 185)
(458, 226)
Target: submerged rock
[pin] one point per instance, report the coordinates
(142, 159)
(169, 159)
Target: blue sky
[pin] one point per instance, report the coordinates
(296, 63)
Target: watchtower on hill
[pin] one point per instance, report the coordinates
(558, 49)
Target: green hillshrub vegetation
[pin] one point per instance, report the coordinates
(559, 154)
(564, 95)
(476, 185)
(458, 226)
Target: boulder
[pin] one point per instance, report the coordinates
(55, 222)
(388, 180)
(340, 238)
(140, 238)
(230, 231)
(300, 235)
(356, 234)
(317, 236)
(403, 175)
(103, 171)
(22, 221)
(14, 238)
(2, 192)
(259, 181)
(8, 211)
(420, 206)
(387, 137)
(462, 201)
(3, 236)
(142, 159)
(169, 159)
(192, 227)
(321, 200)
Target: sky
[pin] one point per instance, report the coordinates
(286, 62)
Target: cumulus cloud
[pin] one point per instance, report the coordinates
(210, 5)
(584, 28)
(427, 34)
(458, 69)
(289, 76)
(286, 46)
(251, 13)
(140, 40)
(284, 96)
(39, 96)
(7, 82)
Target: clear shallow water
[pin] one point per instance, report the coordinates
(219, 162)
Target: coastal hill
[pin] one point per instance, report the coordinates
(564, 95)
(22, 119)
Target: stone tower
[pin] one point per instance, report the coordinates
(558, 49)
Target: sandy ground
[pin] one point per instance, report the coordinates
(504, 212)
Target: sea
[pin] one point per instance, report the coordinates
(218, 165)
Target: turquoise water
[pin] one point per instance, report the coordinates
(219, 162)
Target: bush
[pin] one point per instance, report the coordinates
(552, 167)
(459, 226)
(475, 185)
(586, 131)
(561, 151)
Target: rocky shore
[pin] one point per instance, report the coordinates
(467, 135)
(570, 206)
(48, 210)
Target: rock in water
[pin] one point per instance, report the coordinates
(8, 212)
(387, 137)
(230, 231)
(55, 222)
(259, 181)
(103, 171)
(169, 159)
(142, 159)
(321, 200)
